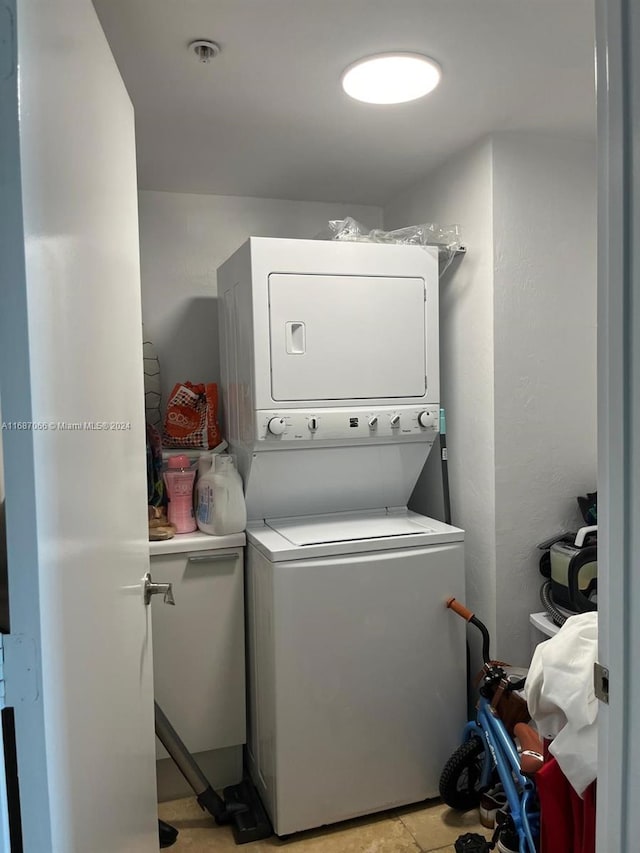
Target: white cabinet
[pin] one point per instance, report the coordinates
(198, 649)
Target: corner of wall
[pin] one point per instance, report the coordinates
(513, 351)
(460, 191)
(544, 221)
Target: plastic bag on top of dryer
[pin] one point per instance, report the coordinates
(446, 237)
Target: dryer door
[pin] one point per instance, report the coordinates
(346, 337)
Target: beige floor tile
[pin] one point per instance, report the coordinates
(434, 825)
(378, 834)
(382, 834)
(197, 831)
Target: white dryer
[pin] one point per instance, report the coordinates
(329, 355)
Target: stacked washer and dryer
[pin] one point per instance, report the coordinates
(356, 669)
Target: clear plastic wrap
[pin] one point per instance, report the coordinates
(445, 237)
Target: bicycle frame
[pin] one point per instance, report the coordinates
(501, 753)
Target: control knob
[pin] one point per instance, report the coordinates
(373, 422)
(395, 421)
(425, 419)
(277, 426)
(313, 424)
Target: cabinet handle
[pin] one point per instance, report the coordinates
(212, 557)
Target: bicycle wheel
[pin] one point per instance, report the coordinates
(460, 779)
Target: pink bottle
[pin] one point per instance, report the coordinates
(178, 479)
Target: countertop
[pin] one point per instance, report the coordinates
(183, 542)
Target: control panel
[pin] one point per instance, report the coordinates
(386, 423)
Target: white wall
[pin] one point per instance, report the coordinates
(461, 192)
(183, 239)
(544, 202)
(518, 350)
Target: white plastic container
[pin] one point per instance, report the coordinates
(229, 510)
(541, 628)
(204, 494)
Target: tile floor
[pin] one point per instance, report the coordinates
(414, 829)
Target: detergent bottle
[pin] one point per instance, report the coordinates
(229, 509)
(204, 493)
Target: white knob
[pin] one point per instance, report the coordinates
(395, 421)
(313, 424)
(425, 419)
(277, 426)
(373, 422)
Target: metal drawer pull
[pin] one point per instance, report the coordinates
(212, 557)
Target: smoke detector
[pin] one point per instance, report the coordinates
(204, 49)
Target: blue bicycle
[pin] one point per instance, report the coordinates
(488, 753)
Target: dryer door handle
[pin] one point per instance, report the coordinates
(296, 337)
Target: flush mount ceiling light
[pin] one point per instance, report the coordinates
(391, 78)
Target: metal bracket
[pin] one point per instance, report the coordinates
(601, 682)
(20, 670)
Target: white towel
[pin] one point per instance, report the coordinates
(561, 698)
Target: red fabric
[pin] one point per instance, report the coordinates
(589, 819)
(567, 822)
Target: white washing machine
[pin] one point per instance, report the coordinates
(357, 671)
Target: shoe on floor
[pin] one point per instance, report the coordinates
(490, 802)
(507, 843)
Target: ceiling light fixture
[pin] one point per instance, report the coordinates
(391, 78)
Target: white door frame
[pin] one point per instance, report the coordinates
(618, 79)
(22, 553)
